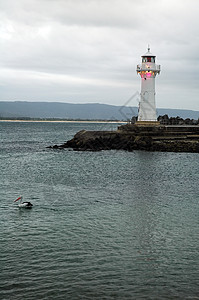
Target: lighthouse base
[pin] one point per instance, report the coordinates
(147, 123)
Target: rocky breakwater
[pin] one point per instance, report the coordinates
(133, 137)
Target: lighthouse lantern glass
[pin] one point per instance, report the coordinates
(148, 59)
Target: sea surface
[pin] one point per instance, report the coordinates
(104, 225)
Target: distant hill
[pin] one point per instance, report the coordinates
(93, 111)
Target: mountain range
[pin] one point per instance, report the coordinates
(88, 111)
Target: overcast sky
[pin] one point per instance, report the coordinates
(83, 51)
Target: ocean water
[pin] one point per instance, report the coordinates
(104, 225)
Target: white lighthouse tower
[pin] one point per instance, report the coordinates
(147, 107)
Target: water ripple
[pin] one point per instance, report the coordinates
(111, 225)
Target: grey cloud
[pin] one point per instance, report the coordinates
(100, 41)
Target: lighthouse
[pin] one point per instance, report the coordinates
(147, 107)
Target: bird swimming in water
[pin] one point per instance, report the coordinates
(25, 204)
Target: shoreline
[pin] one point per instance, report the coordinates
(65, 121)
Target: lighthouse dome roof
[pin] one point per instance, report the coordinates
(148, 53)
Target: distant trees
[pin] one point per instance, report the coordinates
(165, 120)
